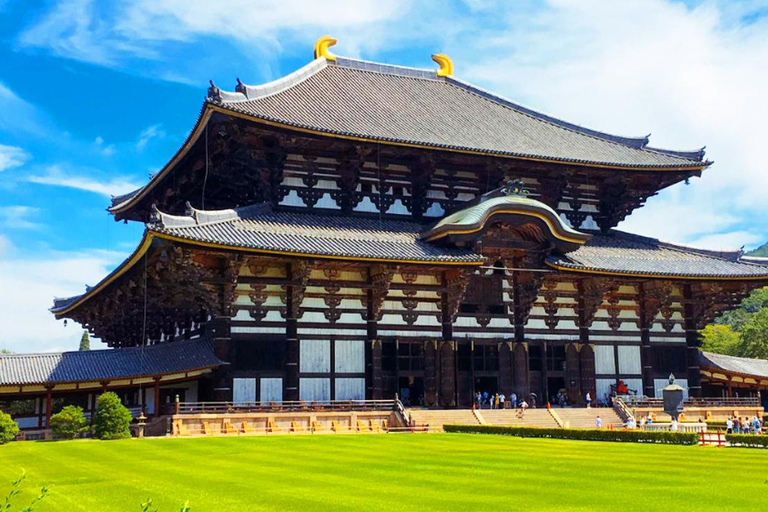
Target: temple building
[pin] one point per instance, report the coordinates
(357, 230)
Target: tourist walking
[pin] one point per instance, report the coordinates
(589, 400)
(598, 422)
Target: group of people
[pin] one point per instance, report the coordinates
(485, 400)
(744, 425)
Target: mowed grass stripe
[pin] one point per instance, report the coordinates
(386, 472)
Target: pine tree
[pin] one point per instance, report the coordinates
(85, 341)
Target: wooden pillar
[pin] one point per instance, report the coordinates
(156, 412)
(506, 368)
(430, 373)
(48, 406)
(586, 354)
(522, 368)
(572, 373)
(39, 402)
(376, 374)
(291, 331)
(646, 322)
(544, 375)
(447, 373)
(222, 343)
(692, 343)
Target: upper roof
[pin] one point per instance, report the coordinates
(101, 365)
(396, 104)
(733, 364)
(620, 253)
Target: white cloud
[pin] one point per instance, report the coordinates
(18, 217)
(20, 115)
(28, 326)
(111, 33)
(12, 156)
(691, 76)
(103, 148)
(147, 134)
(730, 241)
(107, 187)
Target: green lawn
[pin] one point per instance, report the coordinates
(386, 472)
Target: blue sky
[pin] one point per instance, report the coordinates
(94, 96)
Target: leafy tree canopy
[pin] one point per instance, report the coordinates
(742, 332)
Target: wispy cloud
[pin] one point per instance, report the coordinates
(104, 148)
(18, 217)
(12, 156)
(147, 134)
(36, 279)
(19, 115)
(108, 187)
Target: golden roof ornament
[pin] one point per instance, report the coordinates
(321, 48)
(445, 62)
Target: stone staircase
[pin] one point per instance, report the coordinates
(531, 418)
(436, 418)
(585, 418)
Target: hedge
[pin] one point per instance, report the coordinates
(619, 436)
(747, 440)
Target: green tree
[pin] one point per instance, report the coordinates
(112, 420)
(720, 339)
(8, 428)
(754, 336)
(85, 342)
(5, 351)
(69, 422)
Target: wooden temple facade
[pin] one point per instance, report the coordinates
(357, 230)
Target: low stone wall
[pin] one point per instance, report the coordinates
(703, 413)
(284, 422)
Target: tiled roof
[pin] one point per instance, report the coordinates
(100, 365)
(405, 105)
(258, 227)
(743, 365)
(624, 253)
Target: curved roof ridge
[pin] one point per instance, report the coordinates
(245, 92)
(728, 255)
(631, 141)
(199, 217)
(691, 154)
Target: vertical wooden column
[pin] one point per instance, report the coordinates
(586, 353)
(646, 322)
(376, 374)
(447, 373)
(222, 342)
(430, 373)
(522, 377)
(48, 406)
(156, 412)
(292, 340)
(692, 343)
(573, 379)
(544, 375)
(506, 368)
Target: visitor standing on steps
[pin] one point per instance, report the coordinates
(598, 422)
(589, 400)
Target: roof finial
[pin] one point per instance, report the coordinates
(445, 62)
(321, 48)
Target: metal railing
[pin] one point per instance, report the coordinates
(283, 406)
(650, 403)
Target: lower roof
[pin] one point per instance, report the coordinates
(733, 364)
(624, 254)
(258, 229)
(106, 365)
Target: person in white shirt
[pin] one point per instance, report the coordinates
(502, 401)
(729, 426)
(598, 422)
(673, 426)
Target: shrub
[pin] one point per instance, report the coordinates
(619, 436)
(112, 420)
(8, 428)
(747, 440)
(69, 422)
